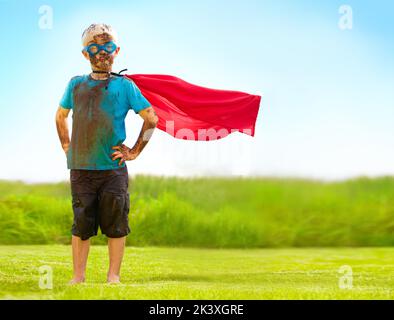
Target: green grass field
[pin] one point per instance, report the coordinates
(210, 238)
(191, 273)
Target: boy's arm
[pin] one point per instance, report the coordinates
(62, 127)
(150, 123)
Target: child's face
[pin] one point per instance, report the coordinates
(102, 60)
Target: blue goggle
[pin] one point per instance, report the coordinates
(95, 48)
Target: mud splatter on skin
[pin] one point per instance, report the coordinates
(103, 37)
(145, 134)
(91, 125)
(106, 64)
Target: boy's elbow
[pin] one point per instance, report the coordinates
(153, 121)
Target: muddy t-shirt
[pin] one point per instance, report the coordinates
(99, 110)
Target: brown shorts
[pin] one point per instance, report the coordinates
(100, 198)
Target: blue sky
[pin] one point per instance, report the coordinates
(328, 98)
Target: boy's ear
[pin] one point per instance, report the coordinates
(116, 51)
(85, 54)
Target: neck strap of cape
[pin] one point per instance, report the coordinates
(111, 73)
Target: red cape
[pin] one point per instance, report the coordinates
(185, 109)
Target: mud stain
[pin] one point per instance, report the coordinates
(92, 126)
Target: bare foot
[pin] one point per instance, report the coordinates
(113, 279)
(76, 281)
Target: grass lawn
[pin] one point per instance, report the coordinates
(186, 273)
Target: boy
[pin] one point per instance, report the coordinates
(96, 154)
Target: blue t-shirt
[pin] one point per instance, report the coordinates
(99, 110)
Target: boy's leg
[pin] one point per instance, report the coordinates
(85, 224)
(114, 205)
(80, 250)
(115, 249)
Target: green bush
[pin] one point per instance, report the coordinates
(216, 212)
